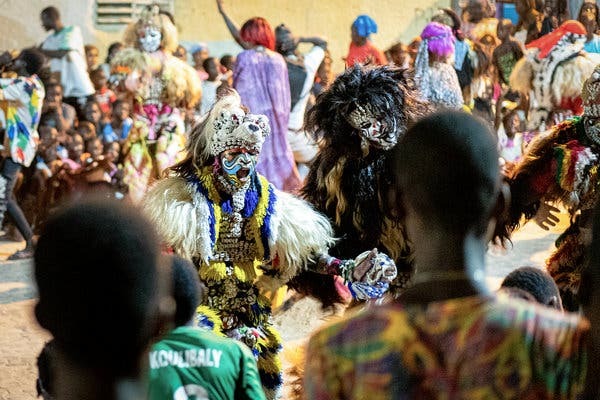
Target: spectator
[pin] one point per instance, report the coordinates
(227, 63)
(94, 148)
(590, 18)
(55, 112)
(75, 148)
(302, 69)
(23, 97)
(199, 54)
(210, 85)
(228, 369)
(104, 96)
(538, 283)
(120, 123)
(64, 47)
(87, 130)
(261, 79)
(91, 57)
(98, 355)
(112, 152)
(506, 55)
(181, 53)
(398, 55)
(113, 49)
(446, 336)
(434, 75)
(361, 49)
(92, 113)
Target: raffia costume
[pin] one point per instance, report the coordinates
(163, 87)
(552, 73)
(356, 121)
(244, 235)
(561, 165)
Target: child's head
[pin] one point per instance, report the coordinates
(186, 289)
(120, 110)
(75, 147)
(211, 66)
(87, 130)
(512, 123)
(112, 151)
(99, 79)
(94, 147)
(47, 133)
(504, 29)
(538, 283)
(91, 55)
(227, 62)
(92, 112)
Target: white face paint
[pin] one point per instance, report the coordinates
(150, 39)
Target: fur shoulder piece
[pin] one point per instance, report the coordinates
(298, 234)
(570, 76)
(521, 76)
(180, 215)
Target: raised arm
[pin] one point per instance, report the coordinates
(317, 41)
(233, 29)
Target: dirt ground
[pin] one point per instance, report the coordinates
(21, 339)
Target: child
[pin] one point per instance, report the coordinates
(506, 55)
(228, 372)
(120, 124)
(87, 130)
(94, 148)
(210, 85)
(104, 96)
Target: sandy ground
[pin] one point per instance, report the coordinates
(21, 338)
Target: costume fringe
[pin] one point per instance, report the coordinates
(207, 318)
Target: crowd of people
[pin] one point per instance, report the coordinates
(211, 186)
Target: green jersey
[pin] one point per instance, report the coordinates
(191, 363)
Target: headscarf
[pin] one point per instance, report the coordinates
(364, 25)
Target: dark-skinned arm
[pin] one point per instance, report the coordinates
(317, 41)
(233, 29)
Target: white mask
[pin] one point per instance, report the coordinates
(150, 39)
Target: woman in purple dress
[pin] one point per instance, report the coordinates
(261, 78)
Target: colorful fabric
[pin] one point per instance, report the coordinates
(232, 294)
(261, 79)
(21, 104)
(193, 363)
(366, 53)
(443, 89)
(469, 348)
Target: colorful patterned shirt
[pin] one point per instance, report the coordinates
(469, 348)
(21, 101)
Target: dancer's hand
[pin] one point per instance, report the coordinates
(546, 217)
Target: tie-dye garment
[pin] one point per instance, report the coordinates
(469, 348)
(21, 102)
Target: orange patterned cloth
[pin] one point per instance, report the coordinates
(468, 348)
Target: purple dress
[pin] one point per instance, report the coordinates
(261, 78)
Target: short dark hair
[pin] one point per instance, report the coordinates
(227, 61)
(34, 60)
(51, 12)
(186, 290)
(96, 268)
(536, 282)
(446, 165)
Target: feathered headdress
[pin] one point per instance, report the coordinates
(227, 126)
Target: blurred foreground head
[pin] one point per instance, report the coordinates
(102, 294)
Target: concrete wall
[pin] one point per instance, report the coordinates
(198, 20)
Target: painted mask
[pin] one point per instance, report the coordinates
(150, 38)
(378, 134)
(238, 166)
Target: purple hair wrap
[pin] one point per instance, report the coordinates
(439, 37)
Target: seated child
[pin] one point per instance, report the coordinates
(120, 123)
(104, 96)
